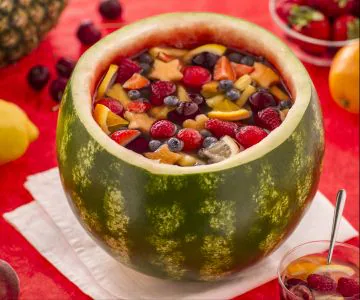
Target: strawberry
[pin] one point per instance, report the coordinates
(224, 70)
(138, 106)
(348, 287)
(163, 129)
(195, 76)
(136, 81)
(220, 128)
(333, 8)
(268, 118)
(346, 27)
(127, 68)
(192, 138)
(248, 136)
(241, 69)
(284, 7)
(160, 90)
(124, 137)
(114, 105)
(321, 283)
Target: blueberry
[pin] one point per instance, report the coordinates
(233, 94)
(145, 68)
(57, 88)
(134, 94)
(205, 59)
(247, 60)
(38, 77)
(110, 9)
(154, 145)
(208, 141)
(146, 58)
(171, 100)
(225, 85)
(88, 33)
(205, 133)
(65, 66)
(197, 98)
(235, 57)
(285, 104)
(175, 145)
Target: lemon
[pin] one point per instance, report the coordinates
(212, 48)
(16, 132)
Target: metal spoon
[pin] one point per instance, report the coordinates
(339, 208)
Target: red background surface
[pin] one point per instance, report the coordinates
(39, 279)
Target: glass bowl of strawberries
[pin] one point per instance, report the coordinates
(316, 29)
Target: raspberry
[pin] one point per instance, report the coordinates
(192, 138)
(195, 76)
(127, 68)
(268, 118)
(348, 287)
(139, 106)
(114, 105)
(162, 129)
(160, 90)
(220, 128)
(321, 283)
(248, 136)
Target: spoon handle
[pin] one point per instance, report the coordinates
(339, 208)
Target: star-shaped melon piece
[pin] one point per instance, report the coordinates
(160, 112)
(166, 71)
(139, 121)
(164, 155)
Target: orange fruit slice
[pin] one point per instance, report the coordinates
(108, 80)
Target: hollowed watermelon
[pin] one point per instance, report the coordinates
(189, 223)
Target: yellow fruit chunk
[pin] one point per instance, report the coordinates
(160, 112)
(100, 115)
(243, 82)
(220, 103)
(210, 89)
(118, 93)
(301, 269)
(115, 120)
(212, 102)
(278, 93)
(16, 132)
(264, 75)
(237, 115)
(198, 123)
(283, 113)
(167, 71)
(164, 155)
(107, 81)
(245, 95)
(189, 160)
(174, 52)
(182, 94)
(139, 121)
(212, 48)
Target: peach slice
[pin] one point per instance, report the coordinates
(278, 93)
(264, 75)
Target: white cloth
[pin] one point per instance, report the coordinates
(50, 226)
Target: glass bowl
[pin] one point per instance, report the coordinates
(298, 41)
(343, 253)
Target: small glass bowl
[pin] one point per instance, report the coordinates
(342, 252)
(297, 40)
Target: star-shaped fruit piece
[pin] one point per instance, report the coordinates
(164, 155)
(139, 121)
(160, 112)
(198, 123)
(166, 71)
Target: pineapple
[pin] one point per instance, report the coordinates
(23, 23)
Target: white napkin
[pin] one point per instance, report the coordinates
(50, 226)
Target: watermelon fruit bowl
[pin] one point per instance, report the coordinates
(200, 223)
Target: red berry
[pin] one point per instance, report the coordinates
(348, 287)
(195, 76)
(163, 129)
(110, 9)
(268, 118)
(138, 106)
(38, 77)
(88, 33)
(302, 292)
(114, 105)
(220, 128)
(124, 137)
(139, 145)
(65, 66)
(346, 27)
(192, 138)
(321, 283)
(127, 68)
(332, 8)
(160, 90)
(248, 136)
(57, 88)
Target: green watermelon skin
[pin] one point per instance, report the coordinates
(201, 226)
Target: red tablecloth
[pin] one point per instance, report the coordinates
(39, 279)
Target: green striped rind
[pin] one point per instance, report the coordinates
(191, 227)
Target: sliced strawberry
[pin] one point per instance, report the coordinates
(348, 287)
(192, 138)
(127, 68)
(220, 128)
(124, 137)
(163, 129)
(321, 283)
(345, 28)
(160, 90)
(268, 118)
(195, 76)
(138, 106)
(136, 81)
(224, 70)
(112, 104)
(241, 69)
(248, 136)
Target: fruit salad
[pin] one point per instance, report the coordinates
(190, 107)
(311, 278)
